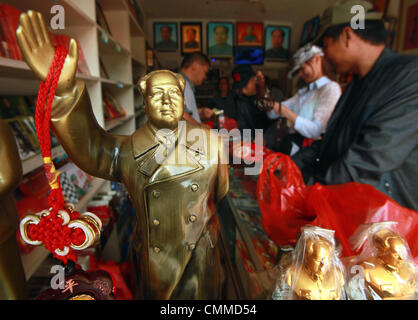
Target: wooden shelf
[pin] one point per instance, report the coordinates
(19, 69)
(108, 45)
(114, 123)
(119, 84)
(34, 259)
(35, 161)
(96, 184)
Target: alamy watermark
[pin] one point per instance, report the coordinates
(58, 20)
(357, 21)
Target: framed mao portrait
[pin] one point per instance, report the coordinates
(310, 30)
(250, 34)
(165, 36)
(408, 27)
(277, 43)
(191, 37)
(220, 39)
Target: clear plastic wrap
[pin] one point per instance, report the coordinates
(313, 271)
(385, 269)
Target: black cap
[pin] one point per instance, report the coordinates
(241, 75)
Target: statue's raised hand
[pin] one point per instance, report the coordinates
(38, 51)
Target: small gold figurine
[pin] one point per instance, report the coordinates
(389, 273)
(12, 276)
(315, 273)
(175, 172)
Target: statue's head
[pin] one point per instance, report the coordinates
(392, 249)
(164, 100)
(317, 258)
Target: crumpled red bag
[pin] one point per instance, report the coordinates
(287, 204)
(249, 151)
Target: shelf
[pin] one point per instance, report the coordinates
(108, 45)
(34, 259)
(114, 123)
(19, 69)
(34, 162)
(96, 184)
(118, 84)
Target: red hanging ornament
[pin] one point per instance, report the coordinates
(60, 229)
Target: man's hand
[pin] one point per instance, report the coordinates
(38, 51)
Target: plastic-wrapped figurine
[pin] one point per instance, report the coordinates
(315, 271)
(387, 270)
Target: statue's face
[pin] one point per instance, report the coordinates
(318, 260)
(164, 101)
(396, 254)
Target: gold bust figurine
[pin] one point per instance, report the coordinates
(12, 277)
(389, 272)
(172, 170)
(314, 273)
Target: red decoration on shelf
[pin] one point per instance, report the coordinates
(60, 229)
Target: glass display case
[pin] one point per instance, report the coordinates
(250, 256)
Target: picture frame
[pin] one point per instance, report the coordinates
(407, 40)
(309, 31)
(381, 6)
(277, 43)
(220, 38)
(250, 34)
(191, 37)
(165, 36)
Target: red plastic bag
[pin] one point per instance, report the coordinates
(282, 199)
(287, 204)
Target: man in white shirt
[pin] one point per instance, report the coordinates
(309, 110)
(194, 69)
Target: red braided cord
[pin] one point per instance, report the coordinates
(50, 230)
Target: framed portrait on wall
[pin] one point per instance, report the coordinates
(310, 30)
(277, 43)
(408, 27)
(250, 34)
(165, 36)
(220, 39)
(191, 37)
(381, 6)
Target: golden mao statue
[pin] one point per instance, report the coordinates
(12, 277)
(171, 169)
(315, 273)
(389, 273)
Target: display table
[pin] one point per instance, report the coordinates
(249, 254)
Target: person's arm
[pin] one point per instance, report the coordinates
(189, 118)
(289, 103)
(386, 140)
(190, 105)
(328, 98)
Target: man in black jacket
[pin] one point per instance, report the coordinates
(372, 135)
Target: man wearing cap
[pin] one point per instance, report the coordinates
(310, 109)
(248, 115)
(372, 135)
